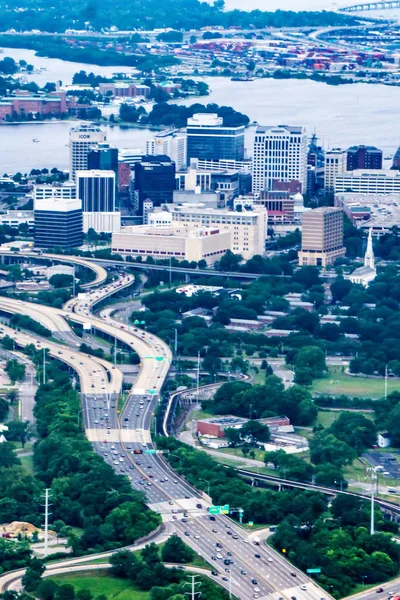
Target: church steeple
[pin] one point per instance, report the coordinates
(369, 259)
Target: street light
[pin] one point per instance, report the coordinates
(208, 485)
(177, 456)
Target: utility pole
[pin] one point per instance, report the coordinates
(44, 365)
(115, 351)
(193, 594)
(386, 381)
(198, 375)
(46, 521)
(373, 479)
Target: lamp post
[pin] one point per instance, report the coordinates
(208, 485)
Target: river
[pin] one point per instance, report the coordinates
(341, 116)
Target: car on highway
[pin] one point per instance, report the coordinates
(215, 573)
(243, 572)
(257, 555)
(254, 581)
(187, 533)
(225, 578)
(303, 587)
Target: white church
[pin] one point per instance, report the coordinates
(364, 275)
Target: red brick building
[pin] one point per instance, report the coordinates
(24, 102)
(216, 426)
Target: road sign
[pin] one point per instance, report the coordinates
(159, 358)
(152, 451)
(219, 510)
(251, 523)
(313, 570)
(136, 322)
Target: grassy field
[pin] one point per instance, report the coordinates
(101, 583)
(27, 463)
(200, 414)
(335, 383)
(327, 417)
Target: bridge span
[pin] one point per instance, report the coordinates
(383, 5)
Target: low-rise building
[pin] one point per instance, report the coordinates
(216, 426)
(372, 181)
(248, 228)
(208, 244)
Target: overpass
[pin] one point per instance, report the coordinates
(384, 5)
(99, 271)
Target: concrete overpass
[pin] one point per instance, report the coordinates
(99, 271)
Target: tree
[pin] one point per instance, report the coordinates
(61, 280)
(19, 431)
(254, 431)
(312, 358)
(354, 429)
(175, 551)
(326, 448)
(230, 261)
(33, 574)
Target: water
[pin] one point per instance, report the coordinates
(341, 116)
(57, 69)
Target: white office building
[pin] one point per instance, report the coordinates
(67, 191)
(169, 143)
(248, 229)
(280, 153)
(335, 164)
(102, 222)
(130, 155)
(81, 141)
(209, 244)
(373, 181)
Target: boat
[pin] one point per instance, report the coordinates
(35, 140)
(243, 78)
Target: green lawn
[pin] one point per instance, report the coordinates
(336, 382)
(200, 414)
(27, 464)
(102, 583)
(327, 417)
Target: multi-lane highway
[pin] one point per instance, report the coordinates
(125, 442)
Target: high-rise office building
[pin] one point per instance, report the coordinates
(280, 154)
(169, 143)
(96, 189)
(58, 223)
(209, 139)
(154, 181)
(335, 164)
(321, 236)
(363, 157)
(103, 157)
(81, 141)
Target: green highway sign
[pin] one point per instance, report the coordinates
(251, 523)
(219, 510)
(142, 322)
(136, 322)
(152, 451)
(159, 358)
(313, 570)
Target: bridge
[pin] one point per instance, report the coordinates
(384, 5)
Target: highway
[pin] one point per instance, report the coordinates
(99, 271)
(117, 439)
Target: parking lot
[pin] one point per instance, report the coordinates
(387, 463)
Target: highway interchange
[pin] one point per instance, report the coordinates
(124, 440)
